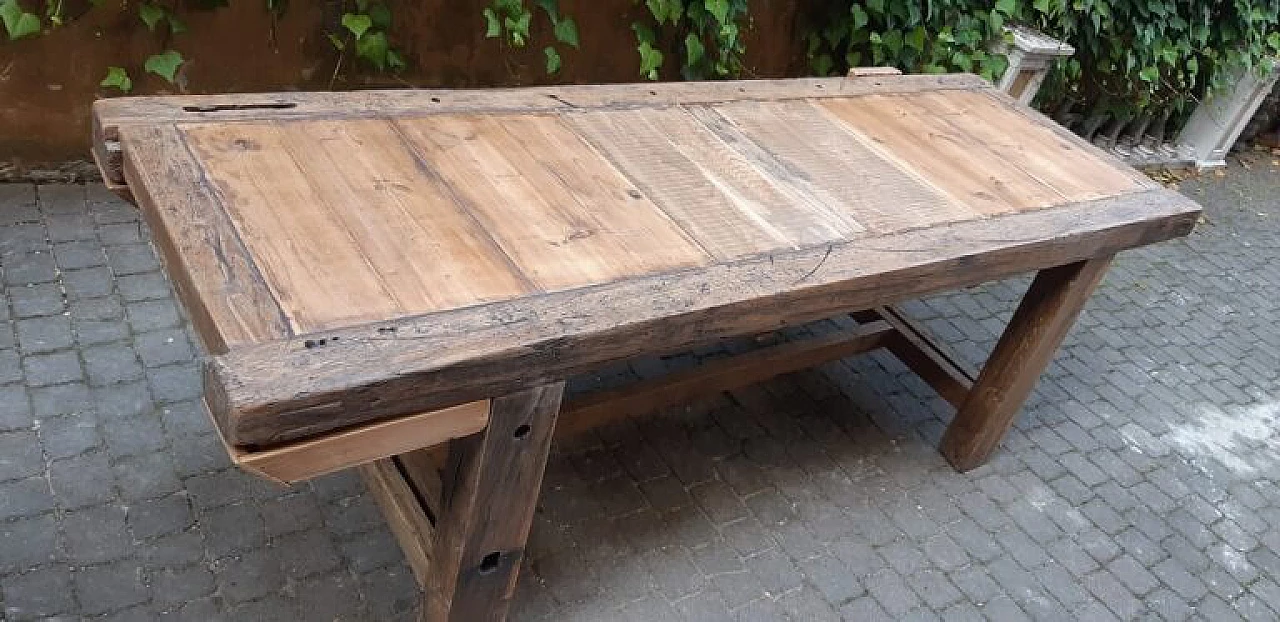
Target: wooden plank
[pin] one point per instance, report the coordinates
(306, 459)
(403, 511)
(1032, 148)
(492, 485)
(115, 112)
(948, 376)
(1068, 138)
(299, 241)
(226, 297)
(919, 141)
(1047, 312)
(562, 213)
(422, 470)
(707, 187)
(272, 392)
(712, 377)
(818, 156)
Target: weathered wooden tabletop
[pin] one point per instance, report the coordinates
(358, 257)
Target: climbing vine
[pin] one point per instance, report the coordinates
(510, 21)
(704, 35)
(364, 32)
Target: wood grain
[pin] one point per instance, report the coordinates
(116, 112)
(950, 377)
(275, 391)
(211, 269)
(310, 458)
(558, 209)
(1046, 313)
(927, 145)
(491, 487)
(593, 409)
(343, 224)
(404, 514)
(831, 168)
(709, 188)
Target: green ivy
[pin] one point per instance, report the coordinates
(364, 30)
(705, 35)
(930, 37)
(511, 20)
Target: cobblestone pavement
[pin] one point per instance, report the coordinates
(1140, 482)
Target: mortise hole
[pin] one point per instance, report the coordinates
(653, 92)
(522, 431)
(229, 107)
(489, 563)
(435, 100)
(819, 86)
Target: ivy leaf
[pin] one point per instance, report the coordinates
(358, 24)
(518, 28)
(151, 14)
(876, 6)
(1149, 74)
(719, 9)
(117, 78)
(1007, 7)
(395, 61)
(373, 48)
(915, 39)
(164, 64)
(553, 59)
(694, 52)
(822, 64)
(381, 16)
(567, 32)
(25, 25)
(650, 60)
(859, 17)
(552, 9)
(492, 25)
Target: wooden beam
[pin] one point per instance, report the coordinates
(202, 251)
(712, 377)
(404, 513)
(491, 488)
(948, 376)
(273, 392)
(1042, 320)
(309, 458)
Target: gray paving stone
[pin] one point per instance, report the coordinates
(111, 364)
(110, 587)
(44, 334)
(70, 435)
(97, 534)
(38, 594)
(28, 542)
(131, 259)
(62, 399)
(19, 455)
(150, 518)
(35, 300)
(54, 368)
(15, 405)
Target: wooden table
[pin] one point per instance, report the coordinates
(379, 275)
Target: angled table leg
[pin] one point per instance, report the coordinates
(1042, 320)
(490, 487)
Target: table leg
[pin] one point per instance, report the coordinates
(1042, 320)
(490, 487)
